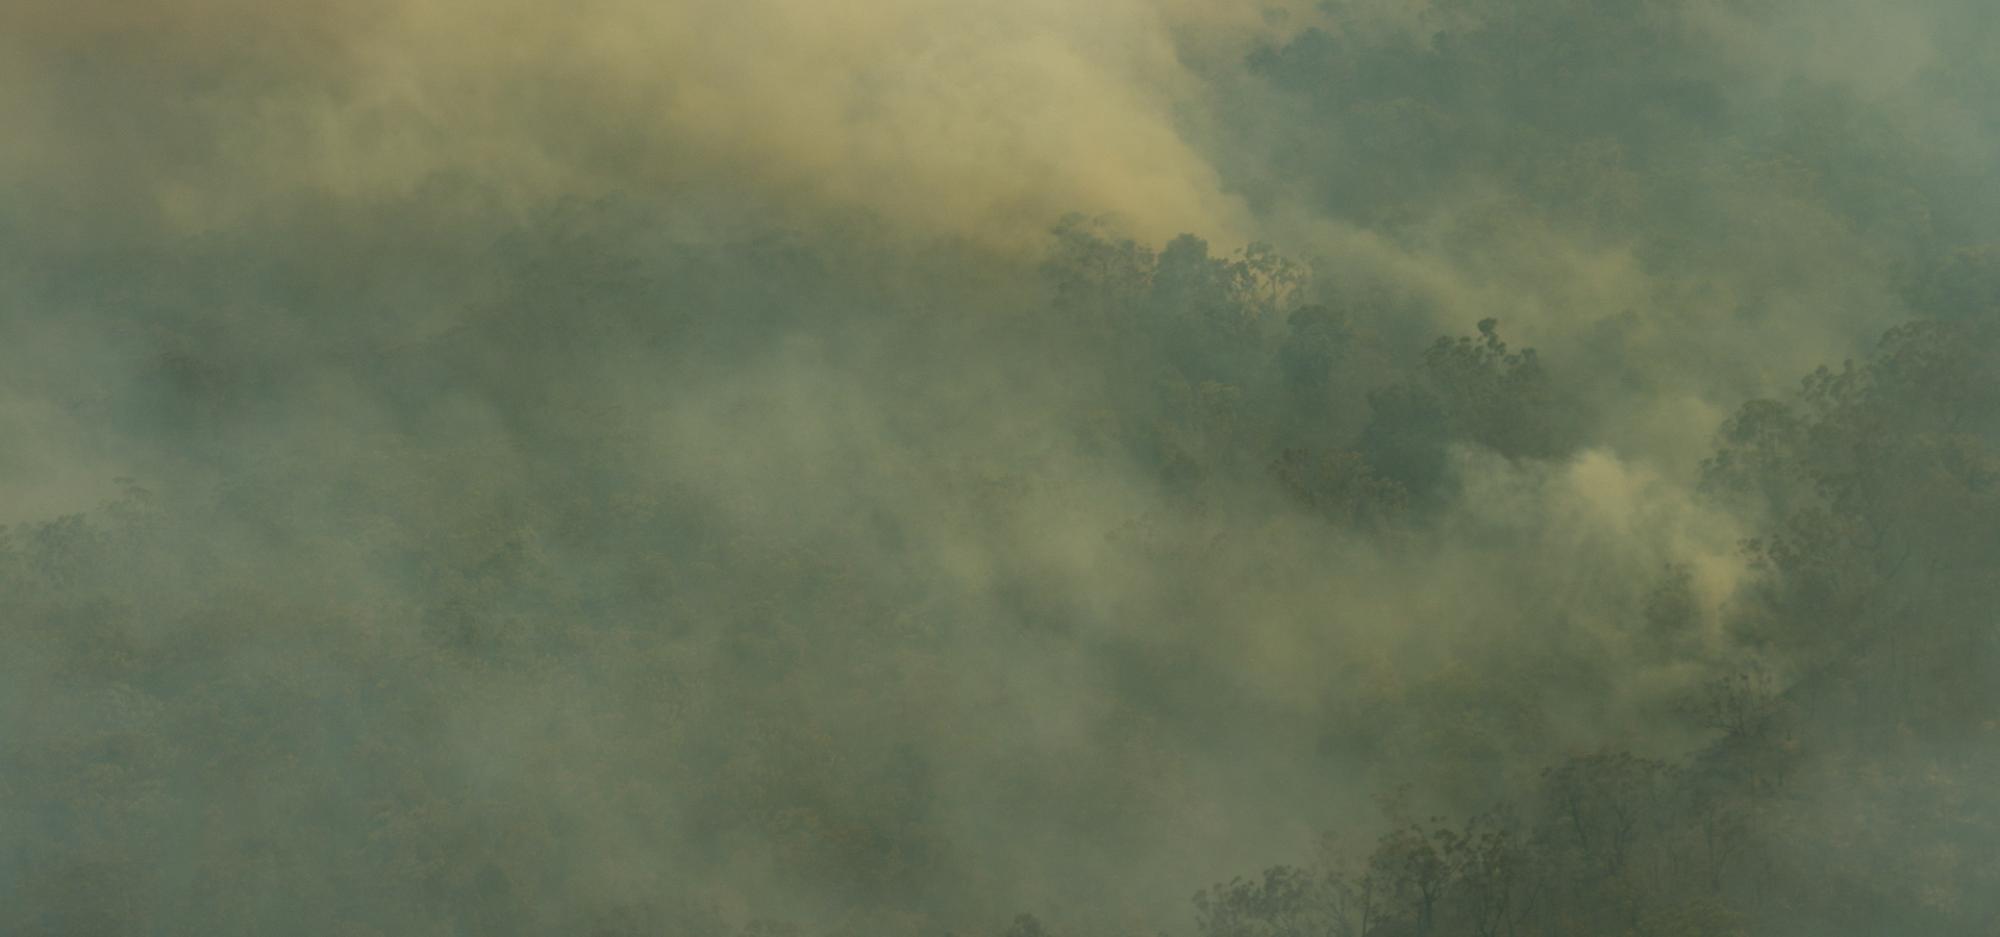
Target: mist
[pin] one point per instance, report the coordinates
(907, 467)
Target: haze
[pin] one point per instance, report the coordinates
(778, 468)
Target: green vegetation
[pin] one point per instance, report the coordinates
(1581, 517)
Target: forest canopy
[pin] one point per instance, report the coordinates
(1372, 468)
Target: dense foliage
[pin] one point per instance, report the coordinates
(594, 566)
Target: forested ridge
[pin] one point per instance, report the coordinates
(456, 486)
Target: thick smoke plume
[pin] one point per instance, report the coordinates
(916, 467)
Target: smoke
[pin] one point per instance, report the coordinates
(977, 121)
(644, 467)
